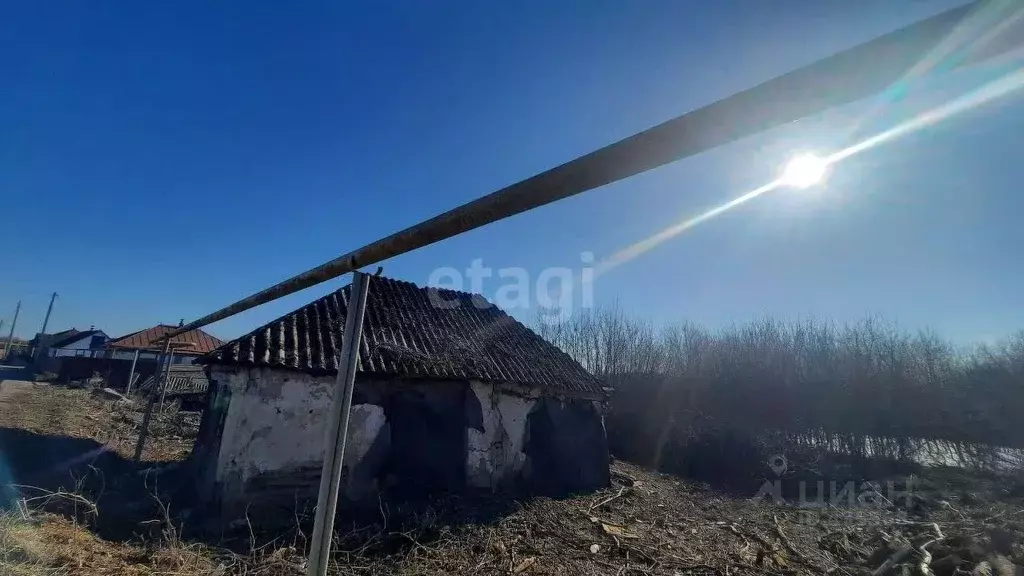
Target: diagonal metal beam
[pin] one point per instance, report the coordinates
(839, 79)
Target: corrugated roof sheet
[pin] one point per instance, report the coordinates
(406, 333)
(191, 342)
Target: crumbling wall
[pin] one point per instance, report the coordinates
(496, 437)
(262, 440)
(272, 438)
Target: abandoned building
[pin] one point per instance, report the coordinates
(452, 394)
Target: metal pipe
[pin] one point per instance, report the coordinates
(149, 405)
(337, 428)
(839, 79)
(167, 376)
(131, 373)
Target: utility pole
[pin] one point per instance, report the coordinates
(46, 319)
(42, 344)
(10, 335)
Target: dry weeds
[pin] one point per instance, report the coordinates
(646, 523)
(77, 413)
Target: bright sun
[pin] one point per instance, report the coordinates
(805, 170)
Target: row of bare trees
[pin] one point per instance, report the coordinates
(867, 389)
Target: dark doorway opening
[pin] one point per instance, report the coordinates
(567, 448)
(428, 440)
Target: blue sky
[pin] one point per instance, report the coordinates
(160, 160)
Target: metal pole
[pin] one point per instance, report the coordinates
(49, 309)
(10, 335)
(131, 374)
(337, 428)
(839, 79)
(149, 406)
(167, 374)
(42, 333)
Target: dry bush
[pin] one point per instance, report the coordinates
(868, 390)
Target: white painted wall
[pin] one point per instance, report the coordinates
(129, 354)
(276, 421)
(496, 454)
(72, 348)
(126, 354)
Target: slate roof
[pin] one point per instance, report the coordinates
(405, 334)
(41, 339)
(72, 336)
(191, 342)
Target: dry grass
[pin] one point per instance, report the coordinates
(646, 523)
(76, 413)
(51, 545)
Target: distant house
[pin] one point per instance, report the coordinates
(71, 342)
(185, 347)
(75, 343)
(453, 397)
(41, 340)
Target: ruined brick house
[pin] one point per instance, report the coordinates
(452, 394)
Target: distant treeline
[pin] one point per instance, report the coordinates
(868, 389)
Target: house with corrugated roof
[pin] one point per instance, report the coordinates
(148, 344)
(452, 394)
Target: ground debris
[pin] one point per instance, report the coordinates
(645, 523)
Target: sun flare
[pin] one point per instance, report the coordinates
(805, 170)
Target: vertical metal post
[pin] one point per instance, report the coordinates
(337, 428)
(131, 373)
(167, 376)
(49, 309)
(10, 335)
(37, 351)
(149, 406)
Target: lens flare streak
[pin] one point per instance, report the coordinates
(987, 93)
(627, 254)
(998, 88)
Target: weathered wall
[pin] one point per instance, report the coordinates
(262, 439)
(272, 437)
(496, 441)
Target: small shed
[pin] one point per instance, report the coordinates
(452, 394)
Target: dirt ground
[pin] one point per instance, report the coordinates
(948, 523)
